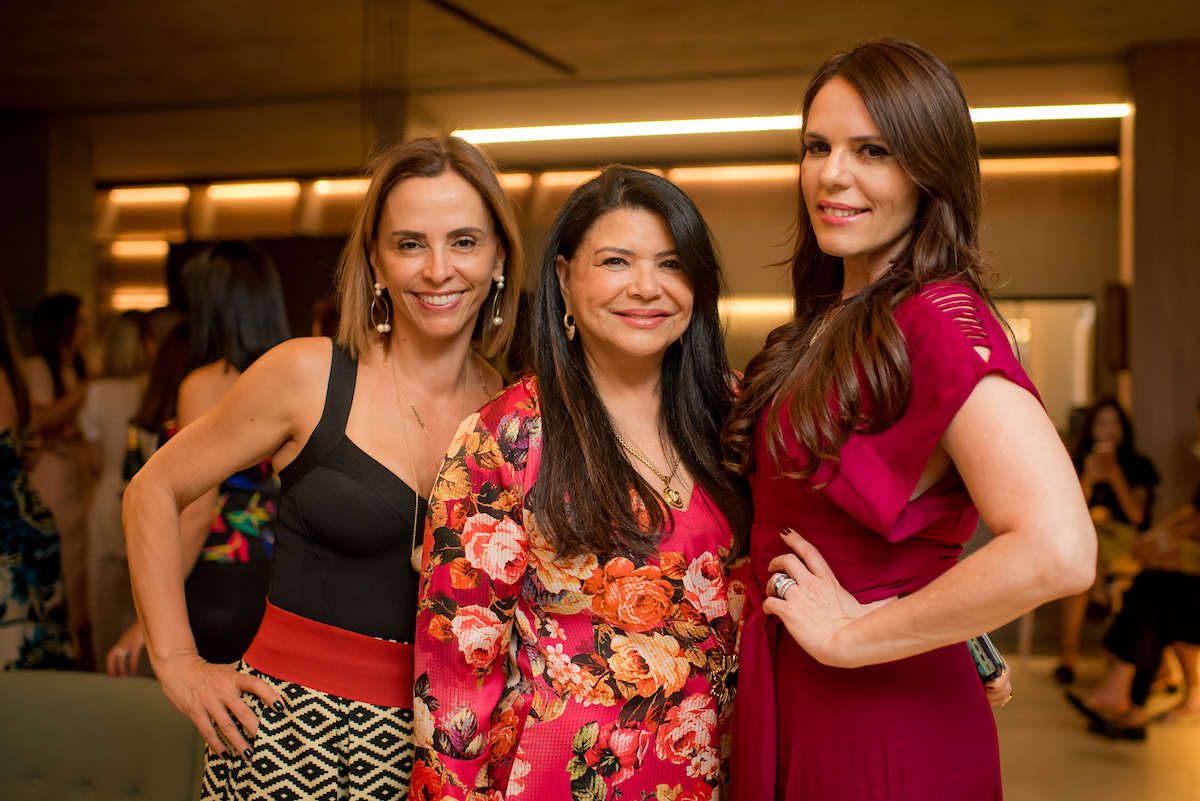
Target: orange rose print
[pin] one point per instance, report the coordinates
(635, 600)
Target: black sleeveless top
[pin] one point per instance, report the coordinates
(345, 528)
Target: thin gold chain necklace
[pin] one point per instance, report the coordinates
(415, 557)
(672, 495)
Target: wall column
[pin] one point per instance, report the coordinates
(46, 209)
(1165, 319)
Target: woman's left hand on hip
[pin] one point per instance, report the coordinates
(816, 607)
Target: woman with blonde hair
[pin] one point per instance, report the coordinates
(105, 422)
(357, 428)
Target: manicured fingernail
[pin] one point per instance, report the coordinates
(246, 754)
(224, 755)
(278, 706)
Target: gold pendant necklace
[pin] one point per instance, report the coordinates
(415, 557)
(673, 497)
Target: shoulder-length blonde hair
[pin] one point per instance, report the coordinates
(426, 157)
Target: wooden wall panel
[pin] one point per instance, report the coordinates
(1165, 340)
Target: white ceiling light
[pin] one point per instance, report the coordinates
(791, 122)
(609, 130)
(1092, 111)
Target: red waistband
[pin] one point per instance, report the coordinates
(332, 660)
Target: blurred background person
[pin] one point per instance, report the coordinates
(57, 385)
(157, 324)
(1118, 483)
(1160, 610)
(236, 315)
(156, 415)
(106, 423)
(33, 609)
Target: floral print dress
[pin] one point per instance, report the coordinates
(565, 678)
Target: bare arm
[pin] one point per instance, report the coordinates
(257, 417)
(1026, 490)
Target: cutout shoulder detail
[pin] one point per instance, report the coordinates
(961, 307)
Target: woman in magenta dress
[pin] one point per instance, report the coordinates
(578, 612)
(872, 428)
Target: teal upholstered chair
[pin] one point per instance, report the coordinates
(67, 736)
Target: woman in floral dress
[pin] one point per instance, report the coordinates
(33, 609)
(579, 602)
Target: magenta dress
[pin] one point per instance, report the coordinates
(913, 730)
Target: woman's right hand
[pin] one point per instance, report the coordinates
(211, 697)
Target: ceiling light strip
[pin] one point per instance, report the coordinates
(342, 186)
(140, 248)
(791, 122)
(277, 189)
(610, 130)
(150, 194)
(1092, 111)
(1050, 164)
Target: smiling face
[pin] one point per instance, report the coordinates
(861, 202)
(437, 253)
(626, 290)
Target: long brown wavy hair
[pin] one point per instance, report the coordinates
(849, 372)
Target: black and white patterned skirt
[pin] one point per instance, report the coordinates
(320, 747)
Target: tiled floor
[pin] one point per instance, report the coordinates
(1048, 755)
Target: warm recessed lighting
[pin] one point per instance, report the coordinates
(790, 122)
(247, 191)
(346, 186)
(779, 306)
(1091, 111)
(574, 178)
(515, 180)
(143, 298)
(140, 248)
(1052, 164)
(150, 194)
(749, 172)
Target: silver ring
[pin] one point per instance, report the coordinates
(120, 652)
(779, 584)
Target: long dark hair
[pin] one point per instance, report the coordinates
(856, 377)
(10, 362)
(236, 304)
(1126, 451)
(171, 365)
(54, 323)
(582, 495)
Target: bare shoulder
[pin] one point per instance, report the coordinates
(295, 364)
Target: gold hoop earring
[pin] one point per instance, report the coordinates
(386, 325)
(569, 326)
(497, 319)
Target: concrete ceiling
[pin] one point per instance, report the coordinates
(275, 86)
